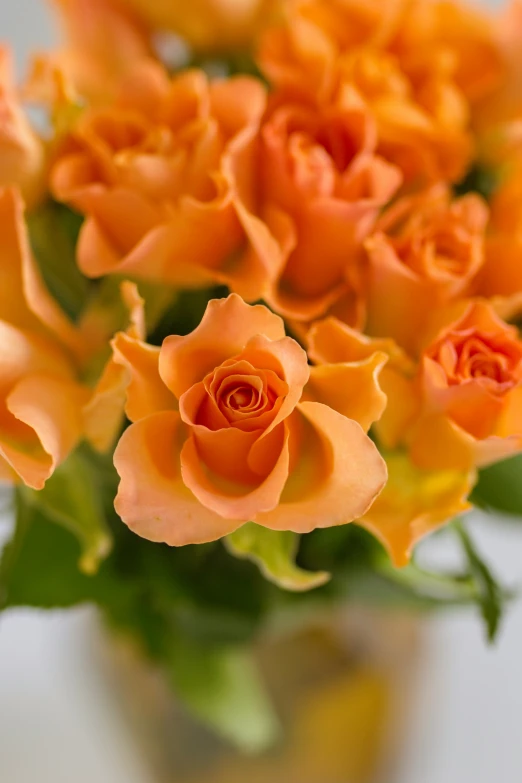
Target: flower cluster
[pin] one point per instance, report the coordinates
(359, 197)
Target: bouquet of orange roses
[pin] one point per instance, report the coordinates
(261, 270)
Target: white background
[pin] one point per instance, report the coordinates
(58, 723)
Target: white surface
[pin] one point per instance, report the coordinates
(58, 725)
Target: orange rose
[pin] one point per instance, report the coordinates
(152, 175)
(22, 157)
(302, 54)
(321, 188)
(103, 41)
(426, 251)
(422, 125)
(421, 114)
(458, 40)
(222, 435)
(470, 383)
(40, 397)
(211, 25)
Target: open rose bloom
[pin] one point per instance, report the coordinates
(228, 430)
(260, 298)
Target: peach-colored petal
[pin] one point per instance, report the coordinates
(438, 443)
(226, 327)
(330, 341)
(22, 153)
(24, 300)
(23, 352)
(117, 222)
(52, 408)
(152, 498)
(238, 103)
(399, 302)
(225, 457)
(351, 389)
(135, 305)
(234, 500)
(414, 503)
(188, 248)
(510, 420)
(402, 408)
(103, 414)
(337, 473)
(271, 240)
(291, 365)
(102, 42)
(471, 405)
(146, 392)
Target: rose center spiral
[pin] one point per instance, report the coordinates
(242, 398)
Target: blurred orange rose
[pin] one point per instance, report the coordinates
(41, 400)
(422, 126)
(102, 42)
(455, 39)
(426, 251)
(223, 435)
(303, 53)
(470, 382)
(22, 156)
(321, 188)
(502, 106)
(419, 107)
(46, 407)
(151, 173)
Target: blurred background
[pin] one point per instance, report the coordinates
(58, 722)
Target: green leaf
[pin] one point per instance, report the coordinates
(53, 231)
(500, 487)
(478, 179)
(489, 594)
(274, 552)
(222, 687)
(72, 498)
(39, 567)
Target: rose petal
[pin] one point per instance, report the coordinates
(152, 498)
(24, 299)
(146, 392)
(225, 329)
(352, 389)
(224, 455)
(437, 443)
(103, 414)
(237, 501)
(335, 477)
(52, 408)
(413, 504)
(291, 364)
